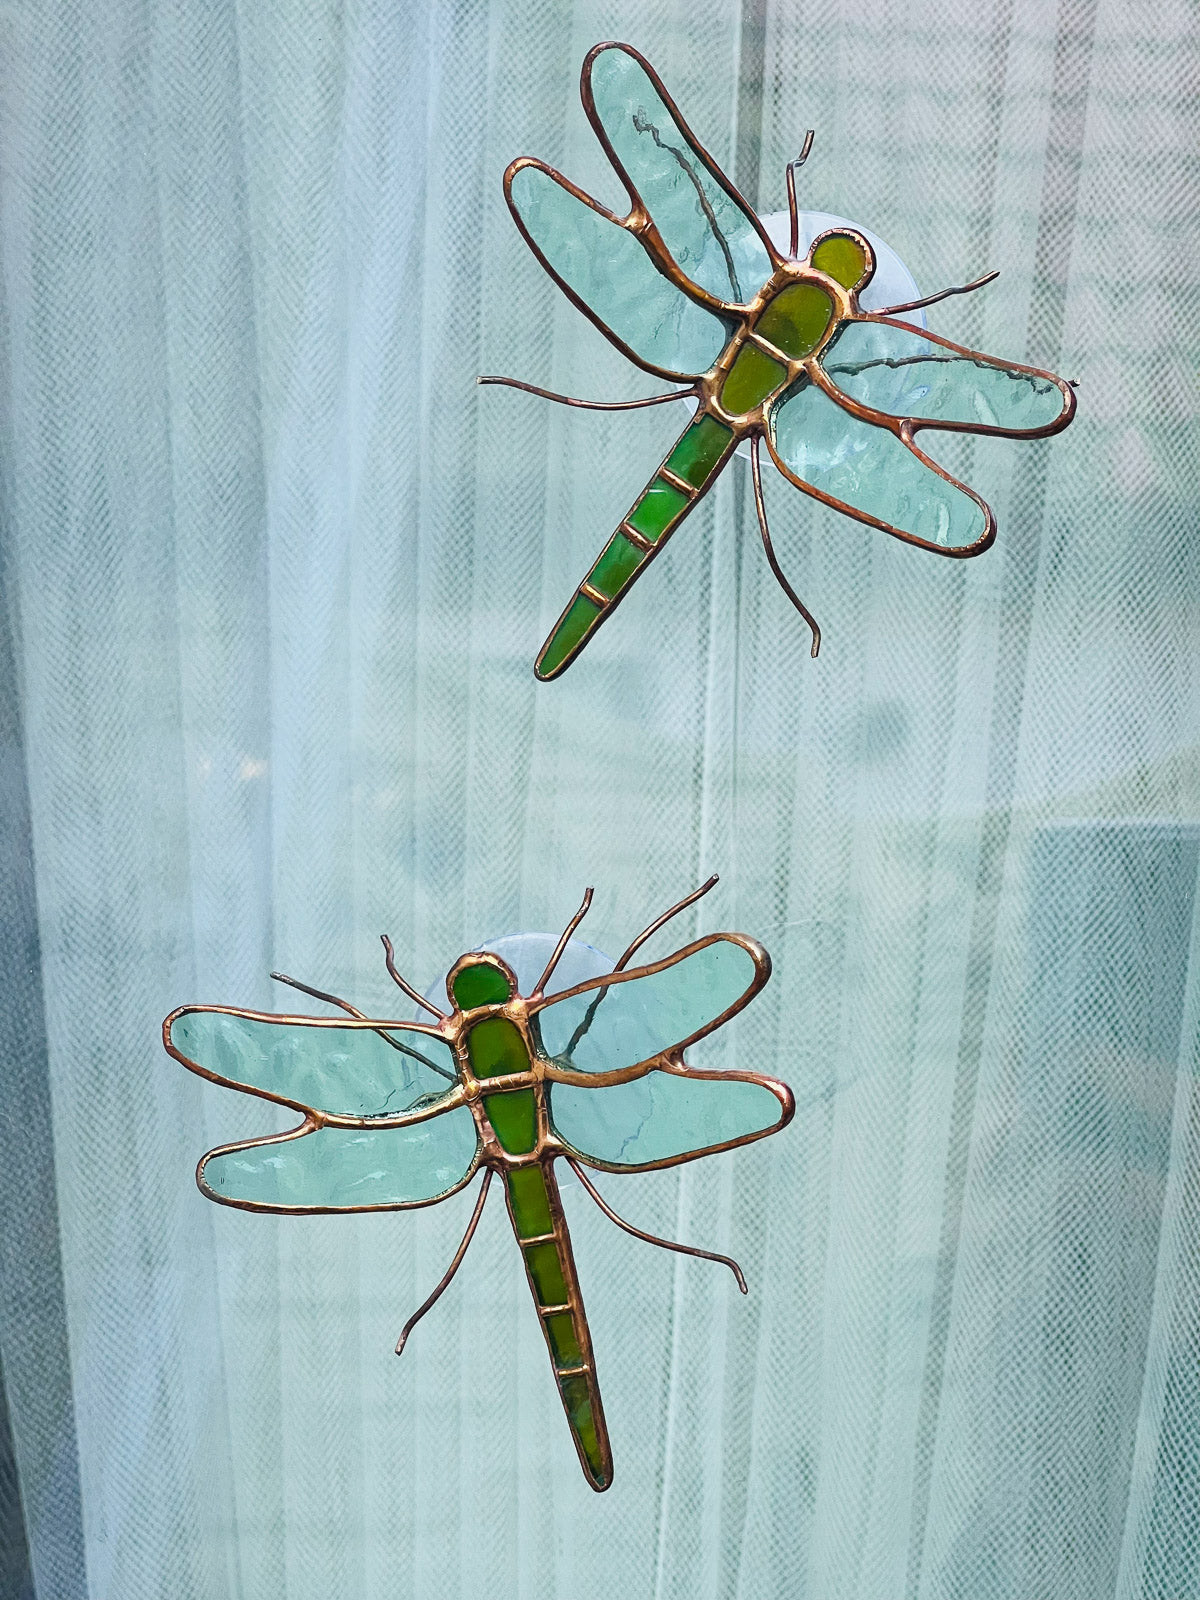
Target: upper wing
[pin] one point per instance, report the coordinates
(601, 264)
(620, 1024)
(892, 368)
(668, 1116)
(346, 1070)
(345, 1169)
(706, 227)
(875, 474)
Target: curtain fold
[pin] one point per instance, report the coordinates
(275, 572)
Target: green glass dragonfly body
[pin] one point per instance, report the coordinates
(401, 1114)
(773, 348)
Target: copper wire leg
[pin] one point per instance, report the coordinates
(792, 168)
(403, 983)
(333, 1000)
(760, 506)
(562, 943)
(447, 1276)
(591, 405)
(652, 1238)
(932, 299)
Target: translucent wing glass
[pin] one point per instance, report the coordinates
(865, 468)
(351, 1072)
(346, 1169)
(909, 374)
(711, 236)
(662, 1117)
(604, 264)
(627, 1022)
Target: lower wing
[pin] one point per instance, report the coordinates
(874, 475)
(670, 1115)
(321, 1168)
(847, 436)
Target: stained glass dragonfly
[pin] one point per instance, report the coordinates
(772, 349)
(398, 1114)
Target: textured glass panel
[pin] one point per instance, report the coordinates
(352, 1072)
(608, 269)
(708, 233)
(660, 1116)
(869, 469)
(345, 1168)
(900, 371)
(628, 1022)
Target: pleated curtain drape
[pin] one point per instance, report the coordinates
(275, 571)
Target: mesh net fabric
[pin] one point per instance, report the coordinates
(276, 572)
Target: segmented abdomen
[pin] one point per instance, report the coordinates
(537, 1217)
(694, 460)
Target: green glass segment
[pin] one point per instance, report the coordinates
(751, 379)
(796, 318)
(581, 616)
(618, 562)
(564, 1342)
(841, 258)
(660, 506)
(348, 1169)
(495, 1047)
(578, 1405)
(513, 1116)
(699, 450)
(545, 1269)
(480, 985)
(529, 1201)
(712, 235)
(607, 266)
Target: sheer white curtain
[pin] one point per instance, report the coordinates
(275, 572)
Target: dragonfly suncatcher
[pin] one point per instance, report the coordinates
(774, 350)
(400, 1114)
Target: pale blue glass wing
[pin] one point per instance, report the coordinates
(664, 1117)
(872, 475)
(911, 374)
(612, 1025)
(712, 236)
(607, 270)
(347, 1169)
(314, 1064)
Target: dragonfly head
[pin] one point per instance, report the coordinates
(480, 979)
(844, 255)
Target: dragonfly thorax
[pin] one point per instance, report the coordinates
(792, 320)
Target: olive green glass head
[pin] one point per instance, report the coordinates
(480, 980)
